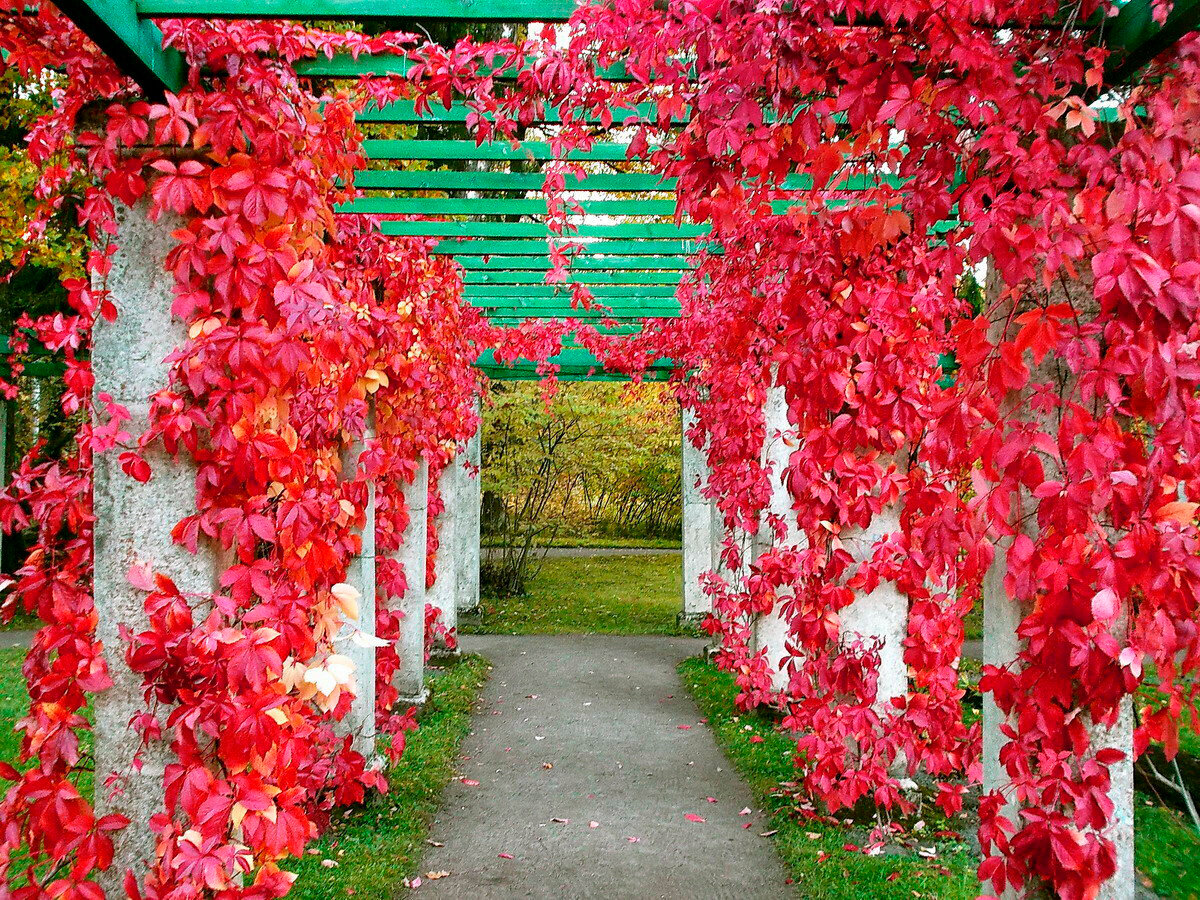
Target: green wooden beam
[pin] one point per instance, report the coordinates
(363, 10)
(496, 248)
(378, 148)
(536, 264)
(440, 180)
(584, 276)
(136, 46)
(538, 230)
(343, 65)
(404, 112)
(1134, 38)
(480, 294)
(493, 206)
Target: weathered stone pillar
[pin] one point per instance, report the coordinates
(410, 677)
(355, 640)
(772, 629)
(1002, 616)
(133, 524)
(697, 527)
(471, 499)
(443, 593)
(881, 614)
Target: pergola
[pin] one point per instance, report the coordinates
(634, 255)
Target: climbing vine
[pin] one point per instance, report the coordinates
(854, 162)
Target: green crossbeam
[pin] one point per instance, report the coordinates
(440, 180)
(405, 112)
(480, 294)
(493, 206)
(379, 148)
(585, 276)
(362, 10)
(537, 229)
(496, 248)
(136, 46)
(541, 264)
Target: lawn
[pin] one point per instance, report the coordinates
(595, 595)
(812, 849)
(599, 541)
(376, 845)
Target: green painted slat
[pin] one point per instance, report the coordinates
(363, 10)
(494, 206)
(1134, 38)
(633, 182)
(136, 46)
(380, 148)
(381, 179)
(405, 112)
(542, 263)
(345, 66)
(601, 291)
(585, 276)
(452, 247)
(538, 229)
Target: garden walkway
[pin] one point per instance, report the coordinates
(586, 758)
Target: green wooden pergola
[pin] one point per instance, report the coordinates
(633, 258)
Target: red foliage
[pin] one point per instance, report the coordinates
(1068, 438)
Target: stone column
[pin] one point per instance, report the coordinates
(410, 677)
(881, 614)
(360, 574)
(697, 527)
(133, 525)
(471, 498)
(772, 629)
(1002, 616)
(443, 593)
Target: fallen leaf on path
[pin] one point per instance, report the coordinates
(692, 817)
(539, 737)
(415, 883)
(711, 799)
(684, 727)
(433, 843)
(505, 855)
(561, 821)
(744, 811)
(593, 824)
(634, 840)
(470, 782)
(745, 824)
(547, 765)
(434, 876)
(768, 833)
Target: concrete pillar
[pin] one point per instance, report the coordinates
(1002, 617)
(471, 499)
(883, 613)
(697, 527)
(133, 524)
(410, 677)
(356, 640)
(443, 593)
(771, 630)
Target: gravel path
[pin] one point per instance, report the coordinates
(587, 729)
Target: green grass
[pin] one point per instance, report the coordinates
(14, 701)
(842, 875)
(378, 844)
(589, 541)
(1167, 850)
(595, 595)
